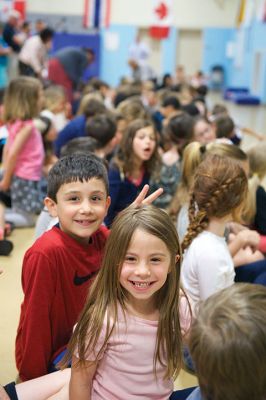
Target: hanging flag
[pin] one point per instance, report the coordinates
(20, 5)
(162, 16)
(97, 14)
(241, 12)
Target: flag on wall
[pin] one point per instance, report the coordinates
(161, 19)
(20, 5)
(96, 13)
(7, 5)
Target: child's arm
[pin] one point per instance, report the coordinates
(250, 132)
(11, 158)
(81, 380)
(244, 238)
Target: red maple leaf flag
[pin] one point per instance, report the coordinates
(162, 16)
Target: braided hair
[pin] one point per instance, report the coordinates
(220, 187)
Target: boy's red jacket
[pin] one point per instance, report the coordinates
(56, 274)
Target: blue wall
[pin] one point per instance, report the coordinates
(168, 48)
(214, 52)
(114, 62)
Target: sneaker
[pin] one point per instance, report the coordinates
(5, 247)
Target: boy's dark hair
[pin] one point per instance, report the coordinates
(171, 101)
(46, 34)
(101, 128)
(224, 126)
(76, 167)
(80, 145)
(227, 343)
(94, 107)
(180, 127)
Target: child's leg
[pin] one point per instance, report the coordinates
(252, 273)
(5, 245)
(46, 386)
(19, 218)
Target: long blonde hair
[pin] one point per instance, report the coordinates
(21, 100)
(106, 293)
(220, 187)
(257, 163)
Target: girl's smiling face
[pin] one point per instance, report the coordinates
(144, 269)
(144, 143)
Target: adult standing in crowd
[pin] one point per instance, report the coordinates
(32, 56)
(67, 67)
(13, 40)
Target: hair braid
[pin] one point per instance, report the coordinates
(198, 222)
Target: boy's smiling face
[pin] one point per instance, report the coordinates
(80, 208)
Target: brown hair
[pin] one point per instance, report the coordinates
(220, 187)
(228, 346)
(106, 293)
(125, 157)
(21, 99)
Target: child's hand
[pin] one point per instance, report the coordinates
(249, 238)
(142, 200)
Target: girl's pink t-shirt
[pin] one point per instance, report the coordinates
(125, 370)
(30, 160)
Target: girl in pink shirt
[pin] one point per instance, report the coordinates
(23, 153)
(127, 343)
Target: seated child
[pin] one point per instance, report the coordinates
(227, 344)
(58, 268)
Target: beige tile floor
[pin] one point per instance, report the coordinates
(10, 286)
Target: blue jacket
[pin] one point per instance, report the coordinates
(122, 191)
(74, 129)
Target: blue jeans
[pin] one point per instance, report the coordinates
(252, 273)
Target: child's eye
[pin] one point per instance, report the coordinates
(129, 258)
(73, 198)
(96, 198)
(155, 259)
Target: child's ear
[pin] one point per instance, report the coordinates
(108, 202)
(177, 258)
(51, 205)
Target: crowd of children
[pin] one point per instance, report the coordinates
(120, 305)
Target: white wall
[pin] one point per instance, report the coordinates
(65, 7)
(188, 14)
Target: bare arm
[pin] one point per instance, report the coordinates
(244, 238)
(81, 380)
(11, 157)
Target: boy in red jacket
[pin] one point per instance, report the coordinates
(58, 268)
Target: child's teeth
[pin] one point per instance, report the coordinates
(142, 284)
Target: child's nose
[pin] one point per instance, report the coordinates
(85, 207)
(142, 269)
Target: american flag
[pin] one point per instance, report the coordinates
(97, 13)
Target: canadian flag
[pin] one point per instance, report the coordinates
(162, 18)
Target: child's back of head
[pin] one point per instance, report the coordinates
(102, 128)
(22, 99)
(219, 189)
(228, 346)
(224, 127)
(77, 167)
